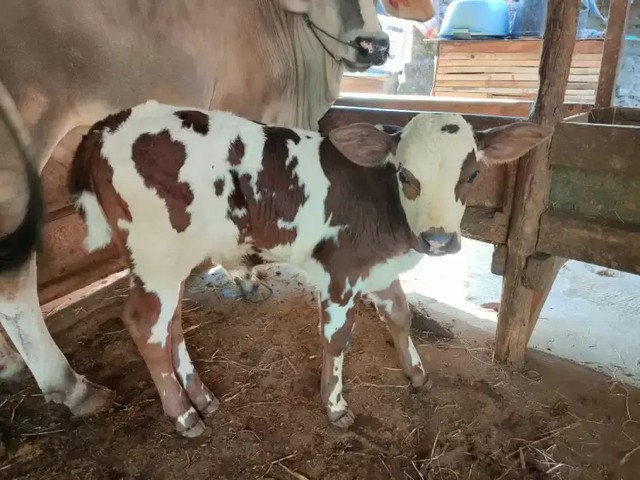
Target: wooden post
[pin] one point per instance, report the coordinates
(616, 23)
(532, 185)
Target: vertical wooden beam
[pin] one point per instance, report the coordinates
(532, 184)
(616, 24)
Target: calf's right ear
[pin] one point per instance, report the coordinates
(364, 144)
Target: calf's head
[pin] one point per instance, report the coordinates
(347, 29)
(437, 158)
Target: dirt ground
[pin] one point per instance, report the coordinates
(555, 420)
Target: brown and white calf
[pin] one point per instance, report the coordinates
(354, 209)
(65, 65)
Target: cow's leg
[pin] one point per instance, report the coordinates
(148, 317)
(336, 327)
(250, 286)
(392, 306)
(11, 363)
(201, 397)
(22, 319)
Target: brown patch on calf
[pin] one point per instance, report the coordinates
(91, 172)
(278, 193)
(236, 152)
(465, 181)
(158, 159)
(410, 184)
(373, 232)
(219, 186)
(195, 120)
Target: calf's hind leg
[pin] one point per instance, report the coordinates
(392, 306)
(148, 317)
(201, 397)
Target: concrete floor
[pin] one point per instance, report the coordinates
(592, 315)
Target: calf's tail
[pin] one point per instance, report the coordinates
(18, 246)
(82, 187)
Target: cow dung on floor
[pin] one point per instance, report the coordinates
(480, 421)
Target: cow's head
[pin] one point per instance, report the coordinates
(437, 158)
(347, 29)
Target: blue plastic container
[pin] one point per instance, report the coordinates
(470, 19)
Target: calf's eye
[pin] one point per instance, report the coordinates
(402, 177)
(473, 176)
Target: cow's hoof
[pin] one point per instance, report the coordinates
(257, 293)
(12, 370)
(343, 419)
(192, 431)
(95, 399)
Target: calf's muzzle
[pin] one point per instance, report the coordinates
(436, 242)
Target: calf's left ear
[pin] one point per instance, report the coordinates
(364, 144)
(509, 142)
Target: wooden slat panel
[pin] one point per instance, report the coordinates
(464, 55)
(62, 252)
(509, 69)
(602, 195)
(514, 46)
(597, 147)
(609, 245)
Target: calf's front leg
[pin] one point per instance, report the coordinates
(336, 326)
(391, 304)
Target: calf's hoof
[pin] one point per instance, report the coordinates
(212, 408)
(424, 386)
(12, 370)
(95, 399)
(255, 292)
(421, 381)
(342, 419)
(190, 425)
(193, 432)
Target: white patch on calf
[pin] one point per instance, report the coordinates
(98, 229)
(435, 157)
(414, 356)
(185, 366)
(182, 419)
(336, 401)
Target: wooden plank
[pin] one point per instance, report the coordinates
(602, 195)
(508, 67)
(596, 147)
(513, 46)
(485, 225)
(532, 185)
(462, 55)
(611, 245)
(498, 60)
(587, 87)
(618, 12)
(345, 115)
(492, 108)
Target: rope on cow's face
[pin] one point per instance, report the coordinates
(315, 29)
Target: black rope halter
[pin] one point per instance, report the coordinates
(315, 29)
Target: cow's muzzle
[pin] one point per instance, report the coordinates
(436, 242)
(372, 50)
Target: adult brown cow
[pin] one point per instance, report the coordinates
(68, 63)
